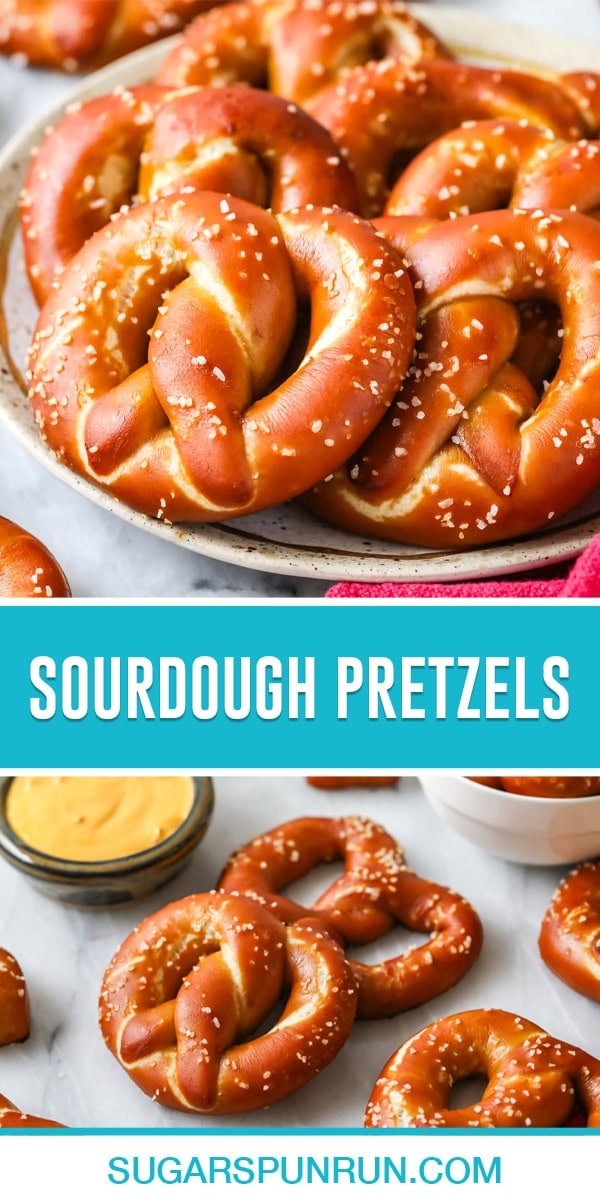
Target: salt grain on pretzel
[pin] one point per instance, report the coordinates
(533, 1080)
(470, 453)
(295, 47)
(143, 143)
(72, 35)
(570, 934)
(375, 892)
(28, 571)
(14, 1001)
(153, 363)
(498, 164)
(189, 987)
(379, 113)
(12, 1118)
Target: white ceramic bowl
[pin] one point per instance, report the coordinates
(524, 829)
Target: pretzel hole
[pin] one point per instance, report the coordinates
(466, 1092)
(297, 349)
(400, 940)
(307, 890)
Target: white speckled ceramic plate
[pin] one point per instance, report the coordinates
(286, 540)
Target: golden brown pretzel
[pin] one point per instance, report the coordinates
(184, 425)
(82, 34)
(295, 47)
(376, 892)
(12, 1118)
(380, 112)
(28, 570)
(193, 982)
(14, 1001)
(143, 143)
(485, 165)
(335, 782)
(533, 1079)
(469, 454)
(553, 787)
(570, 934)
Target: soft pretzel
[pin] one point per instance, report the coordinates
(28, 570)
(376, 892)
(78, 34)
(570, 934)
(144, 143)
(183, 424)
(485, 165)
(553, 787)
(383, 111)
(12, 1118)
(295, 47)
(337, 782)
(469, 454)
(533, 1079)
(14, 1001)
(190, 986)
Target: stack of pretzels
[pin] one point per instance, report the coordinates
(184, 995)
(385, 302)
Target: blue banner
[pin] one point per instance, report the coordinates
(292, 686)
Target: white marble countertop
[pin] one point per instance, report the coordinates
(64, 1070)
(101, 554)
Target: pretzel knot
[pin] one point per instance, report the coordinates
(533, 1079)
(486, 165)
(14, 1001)
(143, 143)
(376, 892)
(295, 47)
(178, 424)
(12, 1118)
(71, 34)
(469, 453)
(195, 980)
(570, 934)
(27, 568)
(381, 112)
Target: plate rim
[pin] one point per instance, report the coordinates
(223, 541)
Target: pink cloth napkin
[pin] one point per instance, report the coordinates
(582, 580)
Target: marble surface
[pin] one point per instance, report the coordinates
(102, 555)
(64, 1070)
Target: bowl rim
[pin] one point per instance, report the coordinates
(25, 857)
(473, 785)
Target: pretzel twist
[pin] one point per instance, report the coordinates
(75, 34)
(28, 570)
(383, 111)
(144, 143)
(376, 892)
(182, 425)
(533, 1079)
(498, 164)
(195, 980)
(295, 47)
(470, 454)
(554, 787)
(12, 1118)
(570, 934)
(14, 1001)
(339, 782)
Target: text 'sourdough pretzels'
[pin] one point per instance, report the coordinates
(472, 452)
(138, 144)
(153, 364)
(188, 988)
(570, 934)
(532, 1079)
(375, 892)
